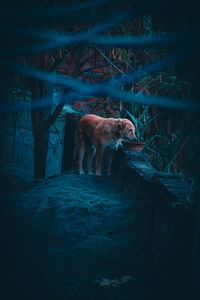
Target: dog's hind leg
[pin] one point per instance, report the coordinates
(90, 159)
(80, 158)
(79, 149)
(99, 160)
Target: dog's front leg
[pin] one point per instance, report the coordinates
(99, 160)
(112, 155)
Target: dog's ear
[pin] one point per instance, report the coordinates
(121, 124)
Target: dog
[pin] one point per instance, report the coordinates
(97, 133)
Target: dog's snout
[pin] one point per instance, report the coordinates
(134, 139)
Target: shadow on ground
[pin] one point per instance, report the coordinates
(65, 234)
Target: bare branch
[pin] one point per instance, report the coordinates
(90, 69)
(110, 62)
(47, 123)
(87, 59)
(55, 64)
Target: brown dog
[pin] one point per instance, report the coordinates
(97, 133)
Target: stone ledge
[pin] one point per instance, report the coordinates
(166, 227)
(136, 164)
(172, 184)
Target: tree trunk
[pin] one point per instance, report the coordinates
(41, 136)
(41, 139)
(41, 127)
(43, 119)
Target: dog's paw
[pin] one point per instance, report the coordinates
(90, 173)
(98, 173)
(81, 172)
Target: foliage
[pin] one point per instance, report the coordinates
(142, 121)
(167, 133)
(172, 138)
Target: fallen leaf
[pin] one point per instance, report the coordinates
(105, 282)
(126, 278)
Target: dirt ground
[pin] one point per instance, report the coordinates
(68, 237)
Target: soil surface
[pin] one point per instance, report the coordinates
(67, 237)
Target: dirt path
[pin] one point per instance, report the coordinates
(63, 236)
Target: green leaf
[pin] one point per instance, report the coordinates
(144, 111)
(149, 148)
(151, 119)
(132, 117)
(156, 135)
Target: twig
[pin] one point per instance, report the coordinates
(181, 148)
(110, 62)
(90, 69)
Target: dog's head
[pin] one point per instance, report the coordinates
(126, 130)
